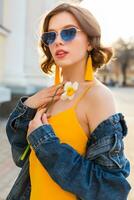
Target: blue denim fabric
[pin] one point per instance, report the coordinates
(16, 129)
(98, 175)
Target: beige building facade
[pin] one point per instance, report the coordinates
(19, 59)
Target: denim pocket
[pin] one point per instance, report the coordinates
(116, 153)
(108, 152)
(16, 120)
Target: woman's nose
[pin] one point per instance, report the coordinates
(58, 40)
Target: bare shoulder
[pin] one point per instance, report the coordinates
(100, 93)
(100, 104)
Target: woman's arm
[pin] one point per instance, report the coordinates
(100, 175)
(92, 177)
(78, 174)
(23, 113)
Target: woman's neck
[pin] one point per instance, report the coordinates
(75, 72)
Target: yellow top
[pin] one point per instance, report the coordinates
(68, 130)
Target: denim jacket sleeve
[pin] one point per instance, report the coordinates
(99, 174)
(16, 129)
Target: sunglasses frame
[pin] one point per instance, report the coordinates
(59, 33)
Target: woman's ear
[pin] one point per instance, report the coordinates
(89, 48)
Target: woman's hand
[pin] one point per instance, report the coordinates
(44, 96)
(39, 119)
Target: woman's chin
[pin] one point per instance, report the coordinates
(64, 64)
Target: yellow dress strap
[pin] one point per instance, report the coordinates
(81, 96)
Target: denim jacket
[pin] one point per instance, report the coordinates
(101, 173)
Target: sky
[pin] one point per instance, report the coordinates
(116, 18)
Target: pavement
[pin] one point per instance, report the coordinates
(8, 170)
(124, 98)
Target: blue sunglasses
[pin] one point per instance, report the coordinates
(66, 35)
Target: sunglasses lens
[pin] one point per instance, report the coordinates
(48, 37)
(68, 34)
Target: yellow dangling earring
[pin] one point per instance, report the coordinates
(89, 75)
(57, 75)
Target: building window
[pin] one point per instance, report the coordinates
(1, 12)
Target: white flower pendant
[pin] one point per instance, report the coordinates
(69, 90)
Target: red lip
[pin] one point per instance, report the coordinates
(61, 53)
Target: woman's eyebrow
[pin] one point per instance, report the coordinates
(66, 26)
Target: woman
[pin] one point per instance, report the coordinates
(73, 129)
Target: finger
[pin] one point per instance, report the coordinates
(49, 99)
(49, 90)
(39, 113)
(61, 90)
(59, 86)
(56, 91)
(54, 87)
(30, 123)
(48, 115)
(44, 119)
